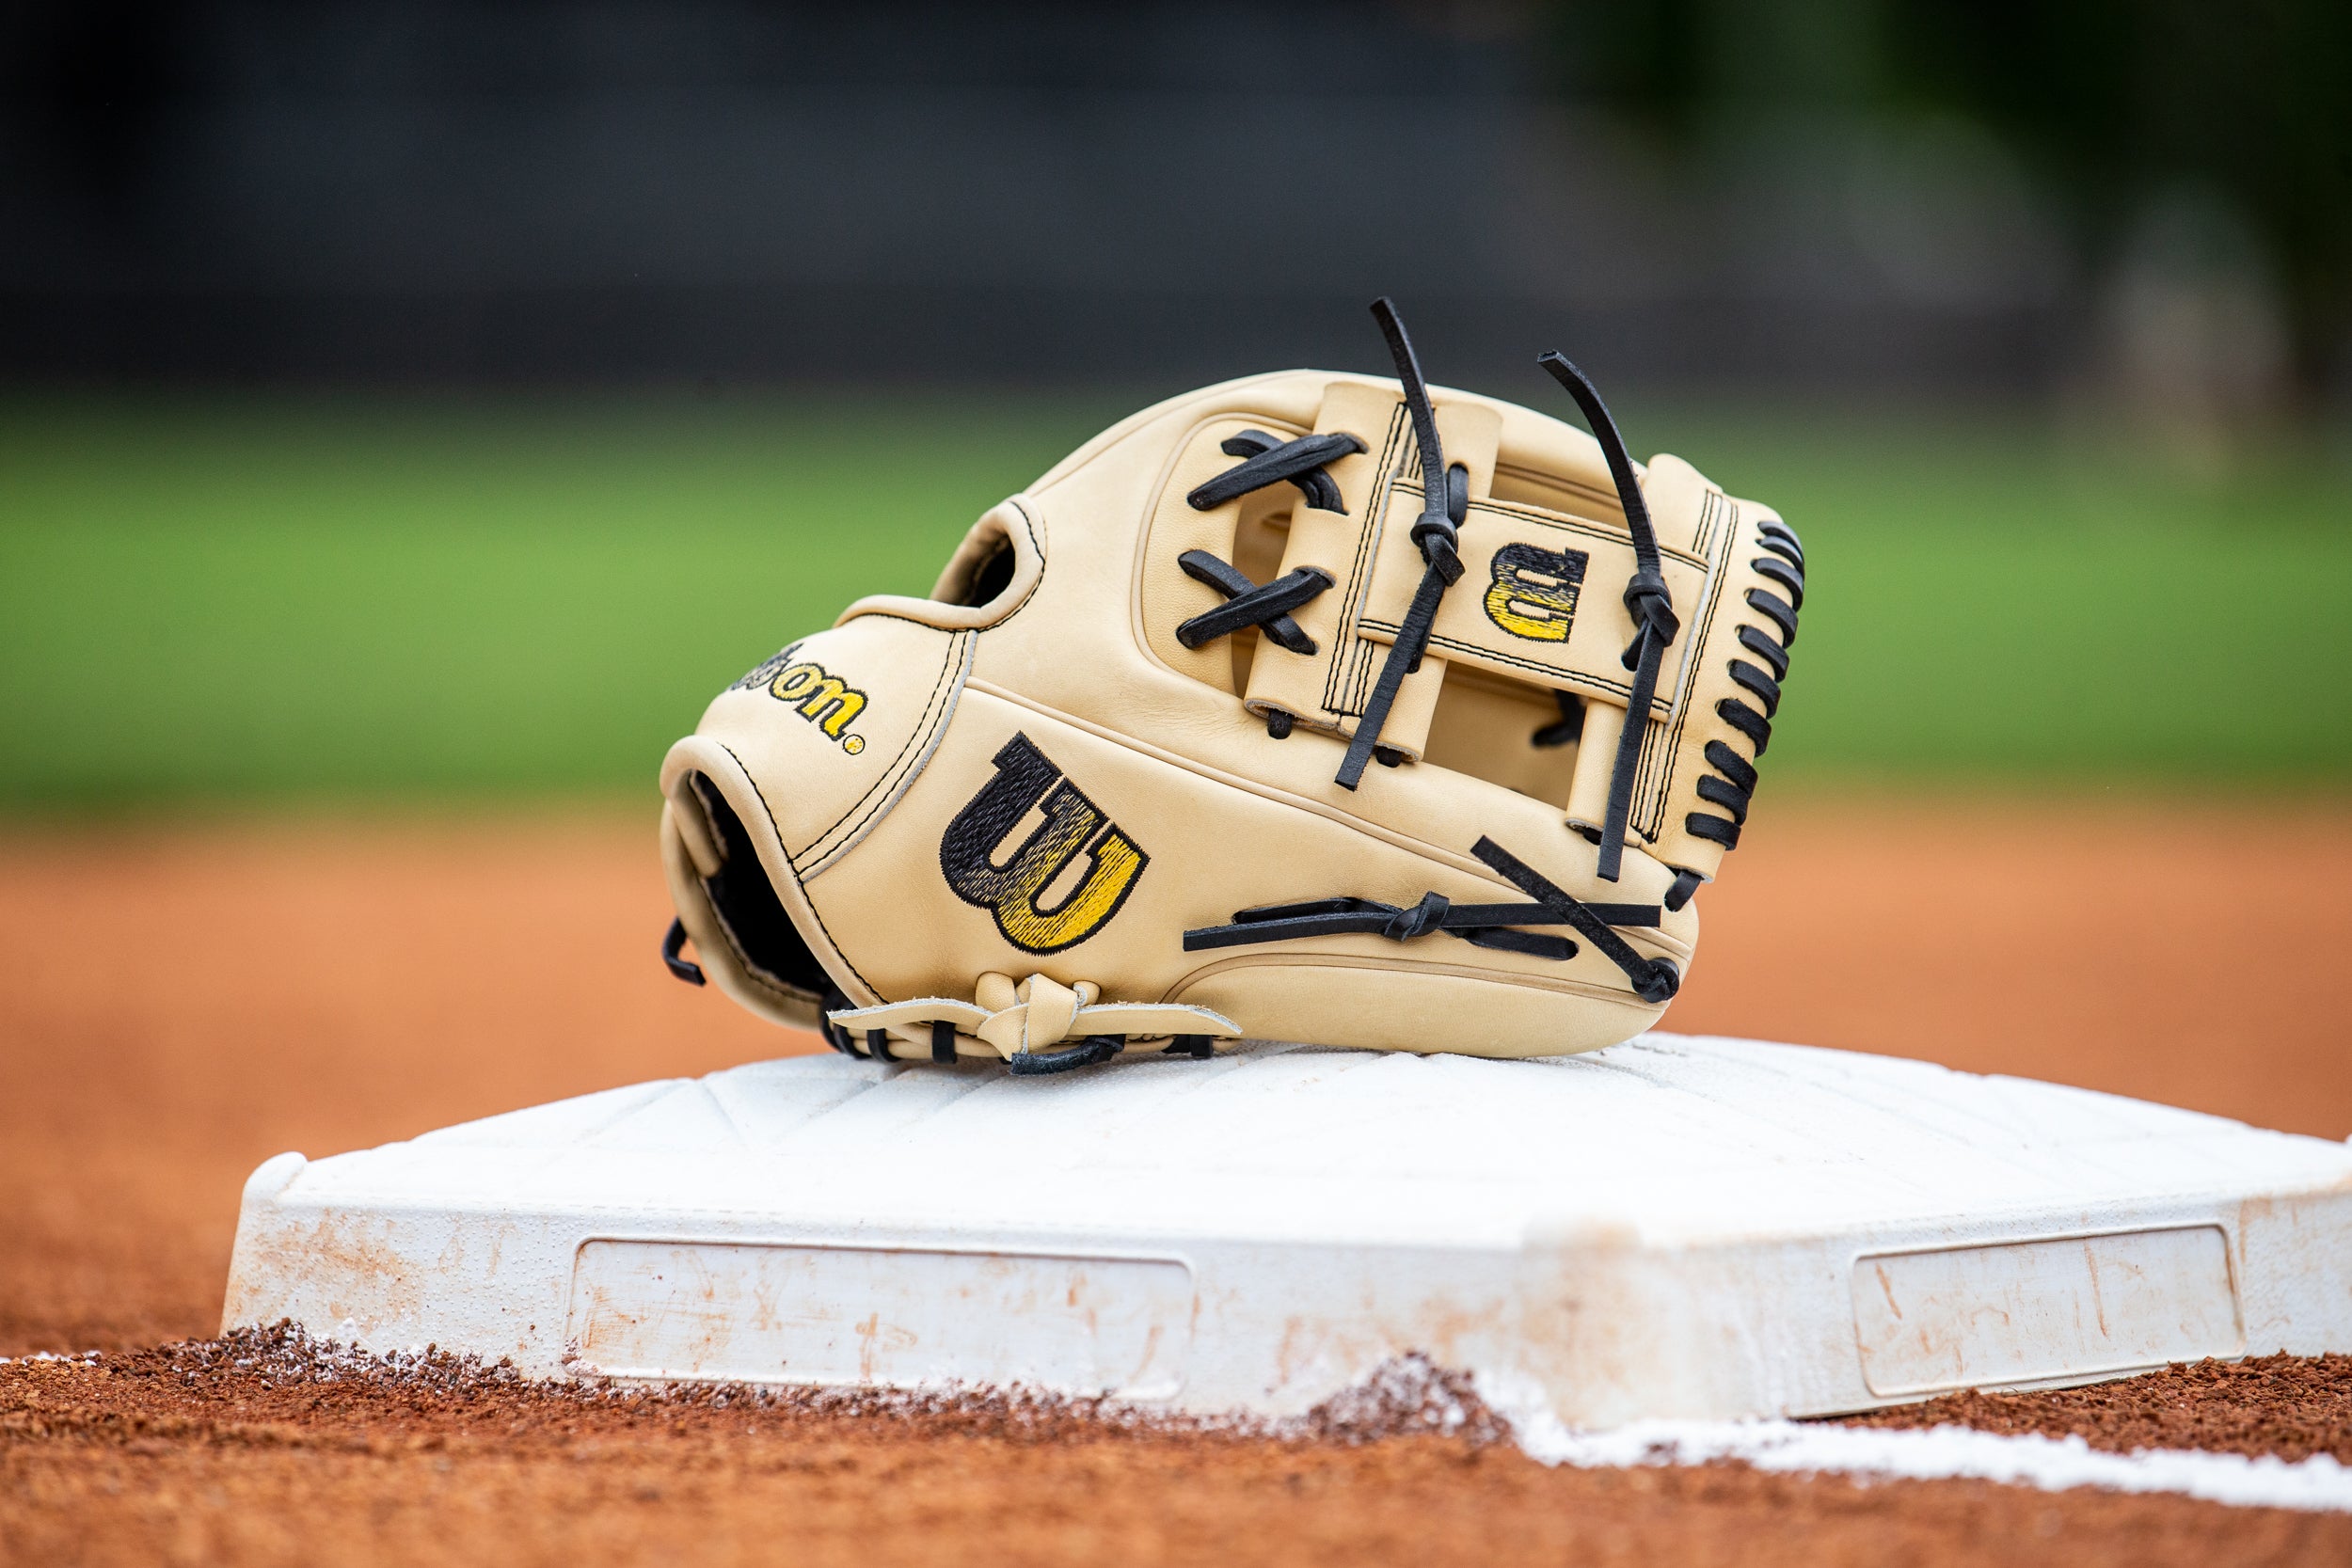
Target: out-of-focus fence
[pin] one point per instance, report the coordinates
(1152, 192)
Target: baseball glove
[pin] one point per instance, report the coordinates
(1293, 708)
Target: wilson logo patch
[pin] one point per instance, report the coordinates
(1014, 889)
(822, 698)
(1534, 591)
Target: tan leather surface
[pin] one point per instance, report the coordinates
(1152, 799)
(887, 683)
(1498, 621)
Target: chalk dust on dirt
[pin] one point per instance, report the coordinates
(280, 1382)
(181, 1004)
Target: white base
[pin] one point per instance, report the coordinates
(1673, 1228)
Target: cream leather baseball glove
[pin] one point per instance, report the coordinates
(1310, 706)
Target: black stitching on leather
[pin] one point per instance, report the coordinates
(835, 998)
(884, 793)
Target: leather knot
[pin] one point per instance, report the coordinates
(1418, 921)
(1436, 534)
(1651, 606)
(1653, 612)
(1656, 982)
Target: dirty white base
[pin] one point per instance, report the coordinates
(1673, 1228)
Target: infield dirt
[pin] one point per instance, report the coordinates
(180, 1003)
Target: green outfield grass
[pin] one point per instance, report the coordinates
(259, 598)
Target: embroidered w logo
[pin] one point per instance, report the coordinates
(1011, 890)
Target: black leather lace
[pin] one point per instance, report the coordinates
(1481, 924)
(1647, 599)
(1654, 980)
(1569, 727)
(1248, 604)
(1445, 497)
(1444, 505)
(1267, 606)
(673, 949)
(1733, 782)
(1271, 462)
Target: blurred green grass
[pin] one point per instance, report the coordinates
(264, 599)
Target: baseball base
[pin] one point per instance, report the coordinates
(1676, 1227)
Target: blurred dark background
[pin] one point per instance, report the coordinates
(2150, 200)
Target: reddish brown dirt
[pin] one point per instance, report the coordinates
(161, 1456)
(177, 1004)
(2291, 1407)
(2187, 957)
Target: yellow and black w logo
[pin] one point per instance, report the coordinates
(1533, 590)
(1013, 891)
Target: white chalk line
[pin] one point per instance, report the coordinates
(2318, 1484)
